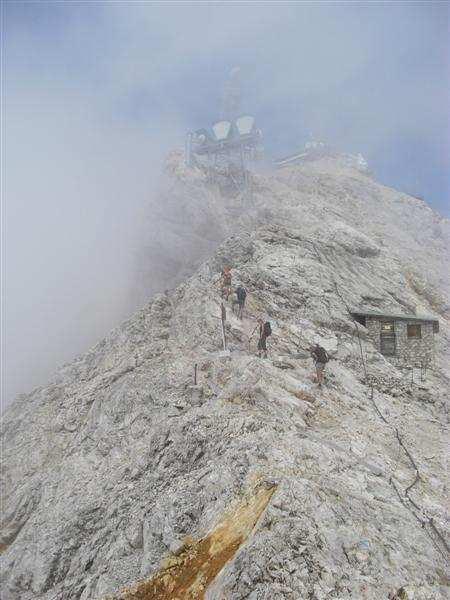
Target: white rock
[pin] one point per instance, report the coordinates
(118, 459)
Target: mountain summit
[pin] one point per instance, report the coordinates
(159, 466)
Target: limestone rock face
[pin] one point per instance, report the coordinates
(124, 478)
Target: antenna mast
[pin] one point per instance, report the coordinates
(232, 96)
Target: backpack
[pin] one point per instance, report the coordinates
(226, 278)
(241, 294)
(321, 355)
(267, 329)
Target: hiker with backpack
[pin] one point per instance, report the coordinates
(225, 283)
(320, 357)
(265, 330)
(241, 295)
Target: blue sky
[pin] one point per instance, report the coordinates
(96, 93)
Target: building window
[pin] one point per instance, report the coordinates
(414, 331)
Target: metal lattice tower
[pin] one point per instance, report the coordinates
(225, 149)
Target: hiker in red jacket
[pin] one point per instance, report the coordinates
(225, 283)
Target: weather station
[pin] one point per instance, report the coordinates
(225, 149)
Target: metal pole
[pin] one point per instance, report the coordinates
(188, 150)
(195, 374)
(223, 319)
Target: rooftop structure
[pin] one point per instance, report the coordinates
(314, 150)
(225, 148)
(225, 137)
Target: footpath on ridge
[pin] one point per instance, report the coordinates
(124, 478)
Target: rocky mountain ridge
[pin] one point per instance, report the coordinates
(123, 479)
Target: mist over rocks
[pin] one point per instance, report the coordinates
(123, 479)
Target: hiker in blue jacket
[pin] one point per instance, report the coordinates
(241, 295)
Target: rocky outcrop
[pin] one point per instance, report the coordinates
(122, 478)
(194, 565)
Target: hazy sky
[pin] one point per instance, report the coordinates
(95, 93)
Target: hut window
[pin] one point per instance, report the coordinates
(414, 331)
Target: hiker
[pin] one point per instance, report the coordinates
(241, 295)
(225, 283)
(264, 330)
(400, 594)
(320, 358)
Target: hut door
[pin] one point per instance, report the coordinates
(387, 338)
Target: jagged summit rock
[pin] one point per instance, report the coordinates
(123, 479)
